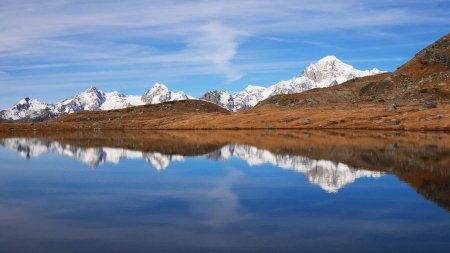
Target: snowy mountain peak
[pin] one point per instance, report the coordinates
(327, 70)
(28, 103)
(330, 71)
(90, 100)
(220, 97)
(26, 108)
(249, 97)
(93, 93)
(91, 89)
(24, 101)
(329, 58)
(160, 85)
(160, 93)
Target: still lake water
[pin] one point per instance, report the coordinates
(109, 196)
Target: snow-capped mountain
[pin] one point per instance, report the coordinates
(91, 99)
(330, 176)
(327, 72)
(27, 109)
(116, 100)
(330, 70)
(220, 97)
(160, 93)
(249, 97)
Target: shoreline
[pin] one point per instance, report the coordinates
(373, 117)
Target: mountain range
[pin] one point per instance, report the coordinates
(328, 71)
(328, 175)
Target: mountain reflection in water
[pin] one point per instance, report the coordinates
(330, 176)
(330, 159)
(224, 191)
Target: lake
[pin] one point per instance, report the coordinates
(225, 191)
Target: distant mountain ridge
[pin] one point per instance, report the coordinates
(91, 99)
(328, 71)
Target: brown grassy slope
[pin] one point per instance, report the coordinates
(425, 78)
(338, 116)
(432, 59)
(421, 89)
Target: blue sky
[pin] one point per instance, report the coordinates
(54, 49)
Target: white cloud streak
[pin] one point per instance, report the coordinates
(63, 35)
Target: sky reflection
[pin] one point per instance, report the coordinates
(200, 204)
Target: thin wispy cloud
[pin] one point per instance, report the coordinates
(173, 40)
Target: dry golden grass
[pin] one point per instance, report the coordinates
(339, 116)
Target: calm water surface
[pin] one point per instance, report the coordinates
(57, 196)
